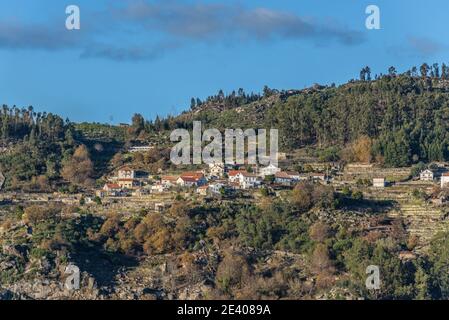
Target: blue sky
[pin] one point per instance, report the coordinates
(151, 57)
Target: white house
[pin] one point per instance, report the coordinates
(271, 170)
(126, 173)
(248, 180)
(217, 170)
(128, 183)
(142, 149)
(244, 179)
(379, 183)
(202, 191)
(234, 175)
(296, 176)
(140, 192)
(426, 175)
(169, 181)
(159, 188)
(191, 179)
(444, 179)
(216, 187)
(112, 189)
(284, 178)
(317, 177)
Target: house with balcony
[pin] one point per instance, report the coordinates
(126, 173)
(426, 175)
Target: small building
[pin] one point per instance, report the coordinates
(245, 180)
(216, 187)
(169, 181)
(159, 188)
(202, 191)
(426, 175)
(140, 149)
(282, 156)
(379, 183)
(249, 180)
(128, 183)
(444, 179)
(287, 177)
(319, 177)
(234, 175)
(271, 170)
(111, 189)
(191, 179)
(101, 193)
(126, 173)
(296, 176)
(108, 187)
(140, 192)
(217, 170)
(283, 178)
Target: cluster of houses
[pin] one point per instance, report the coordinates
(216, 179)
(429, 175)
(425, 175)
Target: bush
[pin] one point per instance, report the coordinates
(232, 273)
(307, 195)
(36, 214)
(319, 232)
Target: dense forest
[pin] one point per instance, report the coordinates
(34, 146)
(406, 118)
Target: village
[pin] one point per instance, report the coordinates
(418, 192)
(222, 179)
(131, 184)
(419, 196)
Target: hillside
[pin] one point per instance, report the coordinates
(394, 120)
(404, 116)
(310, 238)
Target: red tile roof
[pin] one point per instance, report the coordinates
(112, 186)
(282, 175)
(192, 176)
(170, 178)
(125, 168)
(249, 175)
(197, 175)
(233, 173)
(191, 179)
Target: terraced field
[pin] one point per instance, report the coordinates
(422, 220)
